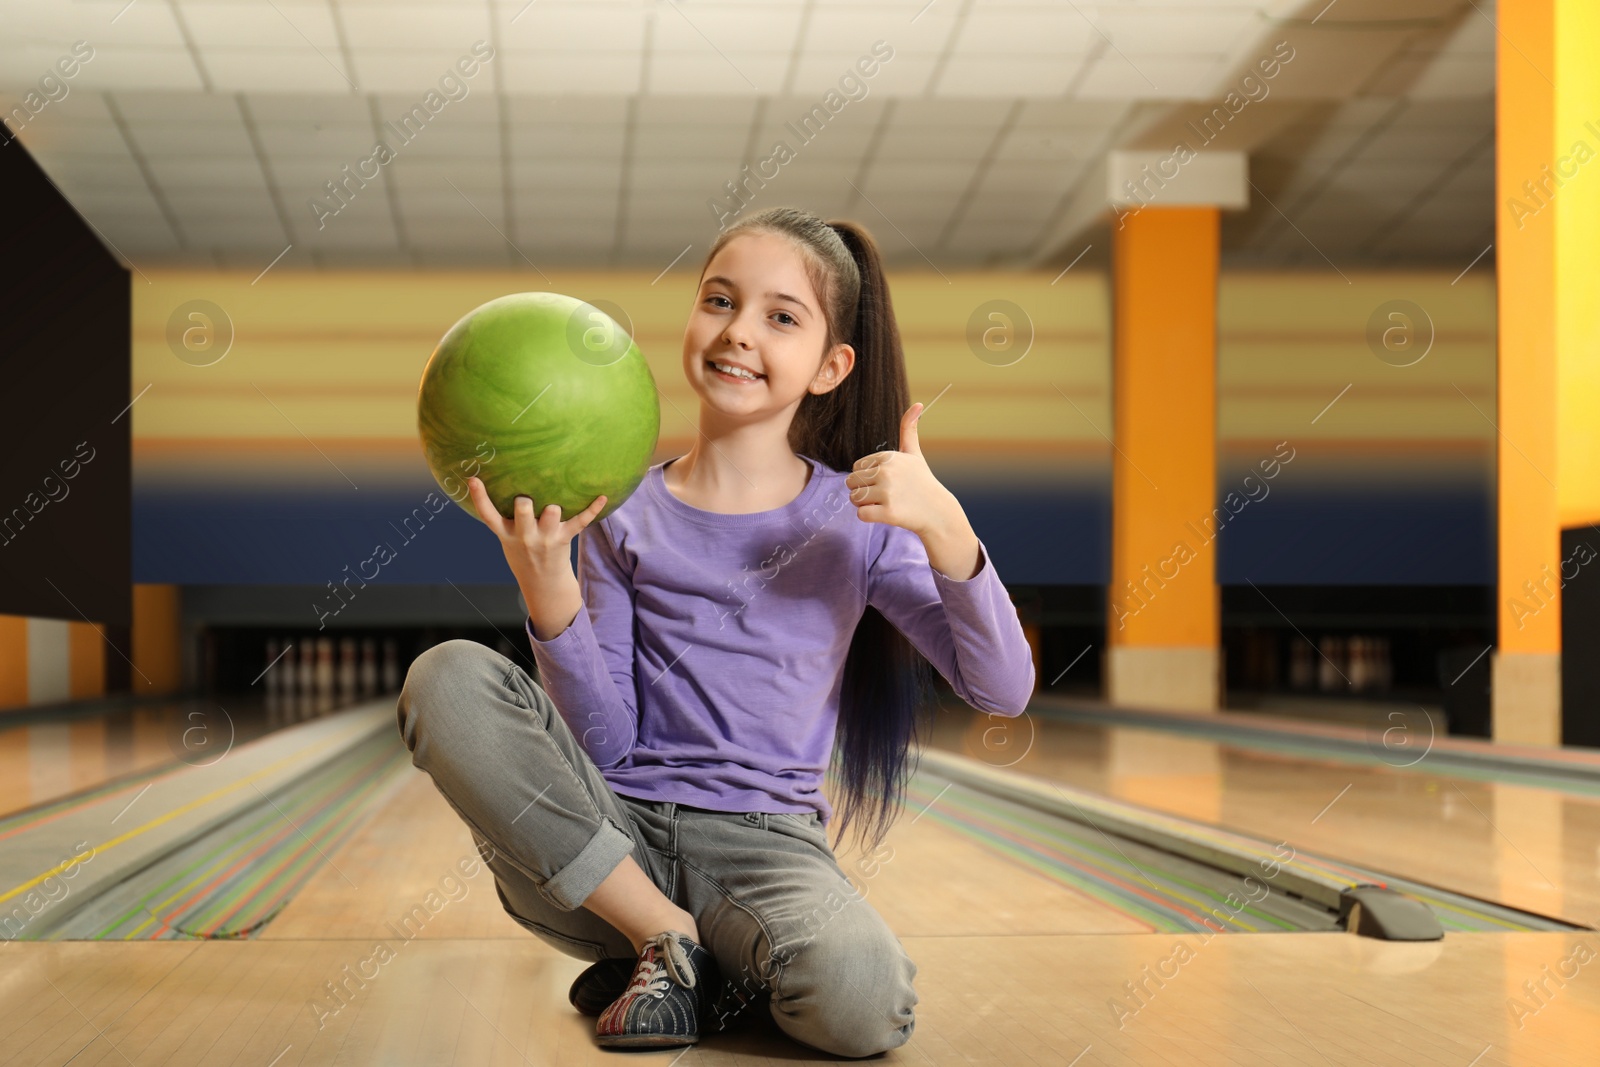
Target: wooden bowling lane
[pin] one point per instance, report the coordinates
(1013, 969)
(414, 845)
(117, 744)
(1519, 845)
(1114, 999)
(45, 760)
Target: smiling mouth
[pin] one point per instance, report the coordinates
(732, 377)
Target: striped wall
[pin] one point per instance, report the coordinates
(1392, 479)
(51, 661)
(286, 450)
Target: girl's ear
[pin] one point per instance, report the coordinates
(836, 367)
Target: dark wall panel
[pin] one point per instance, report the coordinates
(1365, 536)
(65, 485)
(1580, 637)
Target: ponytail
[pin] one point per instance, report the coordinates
(887, 684)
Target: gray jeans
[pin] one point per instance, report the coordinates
(771, 901)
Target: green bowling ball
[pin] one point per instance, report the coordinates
(539, 395)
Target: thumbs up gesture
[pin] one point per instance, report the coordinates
(896, 487)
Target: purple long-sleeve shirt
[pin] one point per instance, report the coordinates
(707, 666)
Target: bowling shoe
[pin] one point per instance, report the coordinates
(601, 983)
(672, 989)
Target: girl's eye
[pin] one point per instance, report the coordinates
(788, 319)
(719, 296)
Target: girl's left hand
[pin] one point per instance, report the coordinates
(897, 488)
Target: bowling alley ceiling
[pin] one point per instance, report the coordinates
(605, 134)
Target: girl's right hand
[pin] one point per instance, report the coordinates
(535, 547)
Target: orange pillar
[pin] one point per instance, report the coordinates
(1577, 224)
(13, 661)
(1527, 663)
(86, 657)
(157, 640)
(1163, 615)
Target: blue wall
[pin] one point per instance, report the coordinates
(1297, 536)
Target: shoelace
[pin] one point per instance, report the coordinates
(664, 959)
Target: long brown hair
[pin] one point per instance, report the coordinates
(887, 683)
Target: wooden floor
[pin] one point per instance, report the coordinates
(1013, 968)
(1239, 1000)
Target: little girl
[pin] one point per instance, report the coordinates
(654, 802)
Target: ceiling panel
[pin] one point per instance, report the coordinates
(1036, 146)
(694, 72)
(902, 27)
(716, 141)
(132, 67)
(227, 138)
(1008, 76)
(581, 25)
(1163, 31)
(907, 74)
(440, 29)
(139, 239)
(178, 107)
(1451, 76)
(175, 173)
(101, 172)
(598, 175)
(101, 22)
(283, 24)
(1055, 31)
(470, 175)
(540, 221)
(1117, 76)
(335, 142)
(602, 73)
(740, 31)
(1032, 181)
(240, 228)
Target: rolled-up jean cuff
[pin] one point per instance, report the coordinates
(569, 887)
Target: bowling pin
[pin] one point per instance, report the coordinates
(347, 671)
(1301, 669)
(1358, 664)
(391, 666)
(1328, 666)
(369, 668)
(268, 654)
(268, 683)
(325, 675)
(306, 696)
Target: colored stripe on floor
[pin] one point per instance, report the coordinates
(232, 881)
(1166, 892)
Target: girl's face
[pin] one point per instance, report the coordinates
(756, 309)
